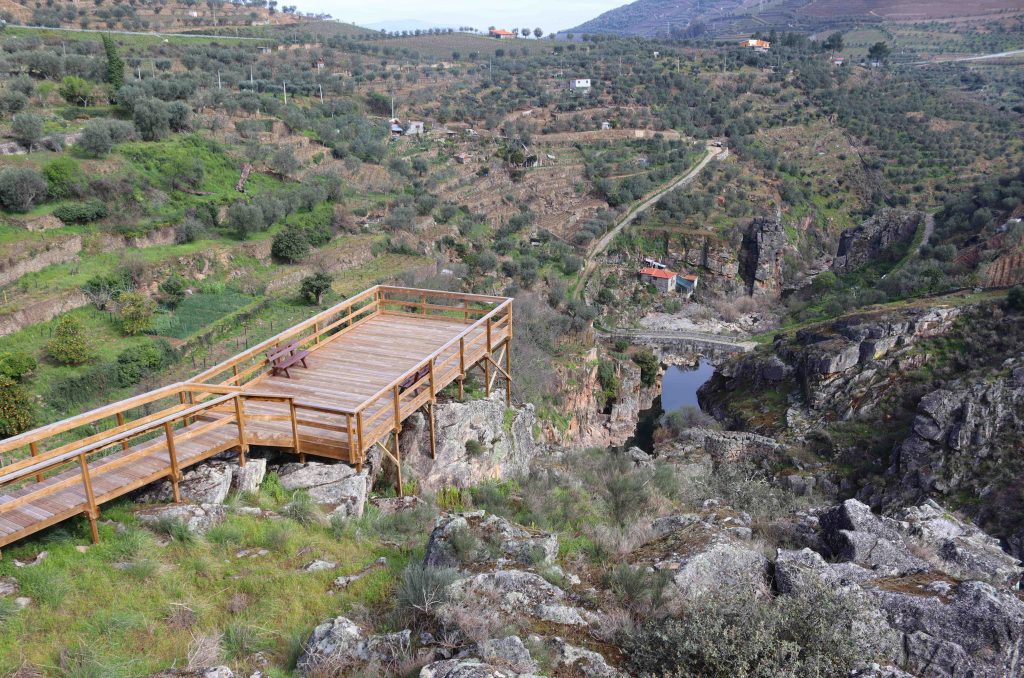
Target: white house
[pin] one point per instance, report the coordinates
(579, 84)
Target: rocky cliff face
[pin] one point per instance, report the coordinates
(968, 441)
(875, 238)
(761, 257)
(475, 441)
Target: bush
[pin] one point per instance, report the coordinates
(314, 287)
(64, 177)
(17, 365)
(1015, 298)
(100, 135)
(81, 212)
(817, 633)
(21, 188)
(302, 509)
(136, 311)
(474, 448)
(138, 362)
(189, 230)
(152, 118)
(15, 407)
(68, 346)
(75, 90)
(11, 102)
(27, 129)
(290, 245)
(649, 366)
(424, 589)
(172, 290)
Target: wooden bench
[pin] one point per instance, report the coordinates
(413, 378)
(281, 358)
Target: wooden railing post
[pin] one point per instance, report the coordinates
(173, 454)
(295, 431)
(33, 447)
(398, 407)
(359, 434)
(316, 332)
(423, 301)
(487, 363)
(352, 454)
(90, 498)
(508, 374)
(120, 422)
(243, 443)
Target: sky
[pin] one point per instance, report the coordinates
(550, 15)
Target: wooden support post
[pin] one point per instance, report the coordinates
(316, 332)
(90, 498)
(359, 448)
(120, 422)
(430, 417)
(33, 447)
(295, 432)
(423, 301)
(173, 454)
(352, 453)
(462, 363)
(398, 465)
(243, 443)
(508, 373)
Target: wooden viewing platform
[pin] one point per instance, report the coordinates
(373, 360)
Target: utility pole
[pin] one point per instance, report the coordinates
(218, 80)
(250, 75)
(284, 86)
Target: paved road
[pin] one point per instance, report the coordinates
(602, 244)
(980, 57)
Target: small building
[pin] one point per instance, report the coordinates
(662, 279)
(687, 284)
(756, 45)
(263, 49)
(654, 263)
(838, 61)
(318, 64)
(502, 34)
(463, 158)
(396, 129)
(606, 125)
(415, 128)
(579, 85)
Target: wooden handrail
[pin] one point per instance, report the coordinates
(33, 465)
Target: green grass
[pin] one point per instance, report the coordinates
(196, 312)
(129, 607)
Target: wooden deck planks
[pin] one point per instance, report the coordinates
(345, 373)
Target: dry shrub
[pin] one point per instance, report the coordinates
(608, 625)
(477, 617)
(622, 540)
(204, 650)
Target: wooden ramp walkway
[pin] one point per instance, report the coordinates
(373, 361)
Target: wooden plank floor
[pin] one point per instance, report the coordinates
(344, 373)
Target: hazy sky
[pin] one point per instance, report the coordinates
(551, 15)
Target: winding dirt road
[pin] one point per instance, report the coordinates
(713, 152)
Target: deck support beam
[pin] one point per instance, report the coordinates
(93, 513)
(243, 444)
(173, 454)
(430, 418)
(396, 459)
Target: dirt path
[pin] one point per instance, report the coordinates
(980, 57)
(601, 245)
(929, 229)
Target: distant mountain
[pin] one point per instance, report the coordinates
(734, 18)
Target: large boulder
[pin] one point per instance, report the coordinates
(804, 569)
(580, 661)
(516, 594)
(509, 652)
(857, 535)
(955, 630)
(475, 441)
(202, 484)
(513, 542)
(198, 519)
(248, 478)
(337, 485)
(468, 667)
(339, 646)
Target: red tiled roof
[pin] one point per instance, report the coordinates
(689, 277)
(501, 31)
(657, 273)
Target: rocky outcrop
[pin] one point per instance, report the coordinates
(597, 423)
(335, 485)
(704, 444)
(966, 439)
(197, 519)
(875, 239)
(513, 542)
(339, 646)
(210, 482)
(475, 441)
(761, 259)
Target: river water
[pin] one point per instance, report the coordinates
(679, 387)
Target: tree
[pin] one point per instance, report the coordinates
(27, 129)
(283, 161)
(834, 42)
(68, 346)
(15, 408)
(315, 286)
(538, 33)
(115, 64)
(17, 365)
(172, 290)
(290, 245)
(75, 90)
(152, 118)
(525, 32)
(136, 310)
(20, 188)
(1015, 298)
(879, 52)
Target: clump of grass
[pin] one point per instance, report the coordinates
(46, 584)
(453, 499)
(273, 488)
(302, 509)
(241, 640)
(276, 537)
(636, 589)
(175, 529)
(7, 609)
(464, 544)
(422, 590)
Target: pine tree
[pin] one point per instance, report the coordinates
(15, 408)
(115, 64)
